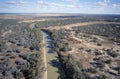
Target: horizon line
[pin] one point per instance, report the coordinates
(63, 13)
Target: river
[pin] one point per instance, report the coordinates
(52, 58)
(49, 42)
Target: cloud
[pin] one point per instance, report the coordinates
(3, 7)
(106, 1)
(116, 5)
(46, 4)
(57, 5)
(72, 1)
(62, 5)
(42, 3)
(101, 4)
(54, 7)
(15, 2)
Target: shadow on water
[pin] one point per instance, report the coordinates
(55, 62)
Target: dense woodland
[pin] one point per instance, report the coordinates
(19, 51)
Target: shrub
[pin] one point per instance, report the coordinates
(92, 70)
(108, 61)
(17, 74)
(9, 51)
(24, 56)
(12, 57)
(98, 44)
(17, 51)
(32, 48)
(112, 53)
(119, 71)
(98, 64)
(97, 52)
(7, 73)
(19, 62)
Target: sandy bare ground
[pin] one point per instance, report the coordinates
(82, 55)
(94, 46)
(80, 24)
(54, 14)
(27, 21)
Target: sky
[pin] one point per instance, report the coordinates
(60, 6)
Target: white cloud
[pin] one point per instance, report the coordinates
(116, 5)
(10, 2)
(46, 4)
(15, 2)
(106, 1)
(58, 7)
(72, 1)
(41, 2)
(100, 4)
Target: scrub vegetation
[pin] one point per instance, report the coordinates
(89, 51)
